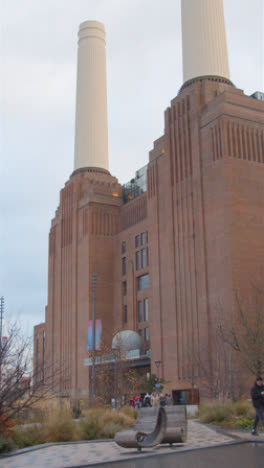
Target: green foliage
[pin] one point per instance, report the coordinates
(239, 415)
(243, 423)
(149, 385)
(90, 429)
(6, 444)
(26, 437)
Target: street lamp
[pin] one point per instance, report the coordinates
(94, 279)
(157, 363)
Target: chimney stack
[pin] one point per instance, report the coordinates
(204, 39)
(91, 137)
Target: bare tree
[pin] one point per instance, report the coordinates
(19, 389)
(246, 333)
(216, 375)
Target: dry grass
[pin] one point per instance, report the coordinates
(229, 415)
(56, 424)
(104, 423)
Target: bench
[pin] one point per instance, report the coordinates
(161, 425)
(148, 431)
(176, 425)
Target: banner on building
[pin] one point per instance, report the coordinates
(98, 334)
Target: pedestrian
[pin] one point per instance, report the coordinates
(167, 399)
(154, 399)
(147, 402)
(137, 402)
(257, 395)
(162, 400)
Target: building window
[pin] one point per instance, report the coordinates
(138, 260)
(123, 248)
(143, 282)
(143, 258)
(140, 332)
(146, 334)
(143, 238)
(146, 314)
(123, 265)
(140, 311)
(146, 236)
(137, 241)
(124, 287)
(125, 313)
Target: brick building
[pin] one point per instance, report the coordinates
(183, 235)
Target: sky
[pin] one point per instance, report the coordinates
(38, 57)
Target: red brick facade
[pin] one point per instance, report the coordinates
(203, 225)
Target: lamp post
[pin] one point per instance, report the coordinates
(116, 377)
(157, 363)
(94, 278)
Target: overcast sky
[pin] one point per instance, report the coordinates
(38, 49)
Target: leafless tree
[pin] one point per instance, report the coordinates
(19, 387)
(245, 335)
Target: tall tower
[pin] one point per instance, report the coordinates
(205, 186)
(203, 212)
(204, 39)
(81, 237)
(91, 142)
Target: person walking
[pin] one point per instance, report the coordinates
(155, 401)
(257, 395)
(147, 402)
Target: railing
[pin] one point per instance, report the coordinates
(112, 357)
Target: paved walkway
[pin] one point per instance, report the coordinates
(89, 453)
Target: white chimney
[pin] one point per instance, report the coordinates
(91, 138)
(204, 39)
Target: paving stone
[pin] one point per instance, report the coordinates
(58, 456)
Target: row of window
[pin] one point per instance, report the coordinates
(140, 239)
(143, 311)
(141, 258)
(142, 283)
(141, 330)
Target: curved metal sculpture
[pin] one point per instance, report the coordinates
(176, 425)
(149, 430)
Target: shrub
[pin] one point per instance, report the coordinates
(244, 408)
(26, 437)
(89, 429)
(129, 411)
(110, 430)
(243, 423)
(215, 413)
(58, 425)
(6, 424)
(232, 415)
(6, 444)
(100, 423)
